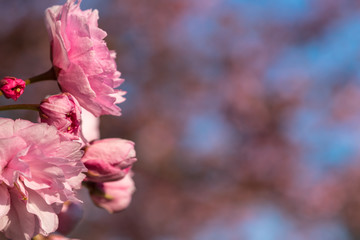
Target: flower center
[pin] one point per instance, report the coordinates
(24, 197)
(71, 116)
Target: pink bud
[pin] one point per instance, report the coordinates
(12, 87)
(69, 217)
(113, 196)
(108, 159)
(63, 112)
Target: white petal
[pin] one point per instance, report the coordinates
(48, 220)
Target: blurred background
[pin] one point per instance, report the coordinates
(245, 114)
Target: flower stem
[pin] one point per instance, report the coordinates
(20, 106)
(49, 75)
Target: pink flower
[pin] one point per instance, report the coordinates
(12, 87)
(113, 196)
(85, 67)
(69, 217)
(38, 172)
(108, 159)
(63, 112)
(89, 125)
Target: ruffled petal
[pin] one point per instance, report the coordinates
(4, 203)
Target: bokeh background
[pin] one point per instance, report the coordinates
(245, 114)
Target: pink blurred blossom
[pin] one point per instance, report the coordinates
(63, 112)
(12, 87)
(69, 217)
(113, 196)
(39, 172)
(84, 65)
(109, 159)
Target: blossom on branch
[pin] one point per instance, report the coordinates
(69, 217)
(12, 87)
(42, 164)
(38, 173)
(62, 111)
(108, 159)
(113, 196)
(84, 65)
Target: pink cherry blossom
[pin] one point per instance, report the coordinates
(12, 87)
(63, 112)
(89, 126)
(84, 65)
(108, 159)
(69, 217)
(113, 196)
(39, 172)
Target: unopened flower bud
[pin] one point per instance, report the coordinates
(108, 159)
(63, 112)
(12, 87)
(69, 217)
(113, 196)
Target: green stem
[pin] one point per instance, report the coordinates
(20, 106)
(49, 75)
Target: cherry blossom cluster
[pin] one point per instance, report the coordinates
(42, 164)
